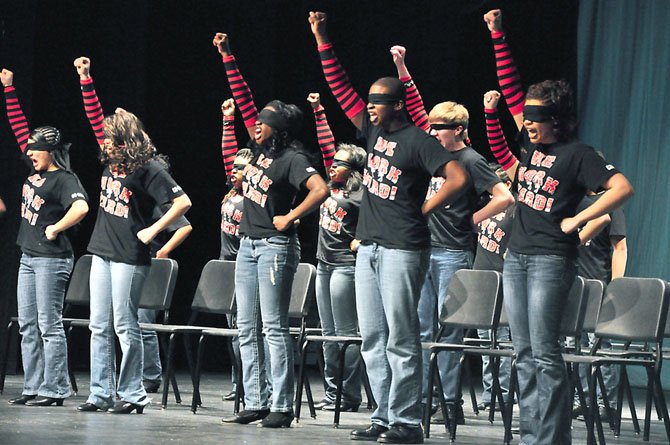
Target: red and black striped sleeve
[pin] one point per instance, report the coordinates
(93, 109)
(325, 136)
(508, 75)
(338, 81)
(414, 103)
(497, 140)
(17, 120)
(228, 144)
(241, 92)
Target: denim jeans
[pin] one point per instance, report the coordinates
(152, 369)
(504, 370)
(40, 292)
(335, 298)
(443, 264)
(388, 283)
(536, 288)
(115, 295)
(235, 343)
(263, 280)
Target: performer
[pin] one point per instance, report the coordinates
(336, 253)
(269, 251)
(134, 180)
(53, 200)
(393, 257)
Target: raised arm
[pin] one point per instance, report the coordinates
(323, 133)
(414, 102)
(228, 140)
(508, 75)
(17, 120)
(238, 86)
(92, 105)
(337, 79)
(495, 135)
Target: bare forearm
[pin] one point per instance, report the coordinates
(76, 213)
(593, 228)
(180, 205)
(177, 238)
(318, 193)
(497, 204)
(618, 191)
(619, 258)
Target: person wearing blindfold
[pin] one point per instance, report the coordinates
(452, 228)
(53, 200)
(336, 255)
(551, 179)
(393, 257)
(269, 248)
(134, 181)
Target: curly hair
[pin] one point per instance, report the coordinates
(132, 147)
(557, 94)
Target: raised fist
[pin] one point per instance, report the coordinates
(398, 53)
(228, 107)
(314, 100)
(491, 99)
(6, 77)
(317, 22)
(493, 20)
(222, 43)
(83, 65)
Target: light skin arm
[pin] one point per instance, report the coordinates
(501, 198)
(619, 256)
(177, 238)
(618, 190)
(456, 179)
(179, 206)
(317, 23)
(318, 192)
(592, 228)
(75, 213)
(3, 207)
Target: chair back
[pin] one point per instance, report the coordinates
(594, 290)
(634, 309)
(215, 293)
(159, 285)
(574, 309)
(303, 294)
(78, 290)
(473, 300)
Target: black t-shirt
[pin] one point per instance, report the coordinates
(159, 241)
(126, 206)
(45, 199)
(450, 226)
(594, 259)
(551, 180)
(337, 227)
(231, 216)
(492, 238)
(397, 173)
(269, 188)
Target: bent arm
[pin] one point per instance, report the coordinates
(619, 256)
(456, 179)
(592, 228)
(501, 199)
(318, 192)
(180, 205)
(75, 213)
(175, 240)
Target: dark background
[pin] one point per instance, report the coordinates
(155, 58)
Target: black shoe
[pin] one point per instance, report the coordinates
(603, 413)
(370, 433)
(230, 396)
(21, 400)
(126, 408)
(323, 403)
(152, 385)
(483, 406)
(278, 420)
(578, 412)
(402, 434)
(45, 401)
(344, 407)
(89, 407)
(456, 412)
(247, 416)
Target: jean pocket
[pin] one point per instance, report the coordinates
(278, 242)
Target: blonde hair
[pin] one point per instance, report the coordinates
(451, 113)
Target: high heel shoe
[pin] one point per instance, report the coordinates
(126, 408)
(89, 407)
(45, 401)
(21, 400)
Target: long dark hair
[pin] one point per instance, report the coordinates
(60, 153)
(284, 139)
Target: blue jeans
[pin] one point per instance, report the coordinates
(443, 264)
(263, 280)
(536, 288)
(504, 370)
(115, 295)
(235, 343)
(388, 283)
(40, 293)
(335, 298)
(152, 369)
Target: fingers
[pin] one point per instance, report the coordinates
(313, 97)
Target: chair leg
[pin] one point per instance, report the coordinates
(339, 383)
(606, 401)
(168, 372)
(70, 370)
(3, 371)
(647, 411)
(195, 400)
(509, 408)
(372, 404)
(301, 383)
(661, 403)
(429, 398)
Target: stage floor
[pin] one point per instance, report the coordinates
(176, 424)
